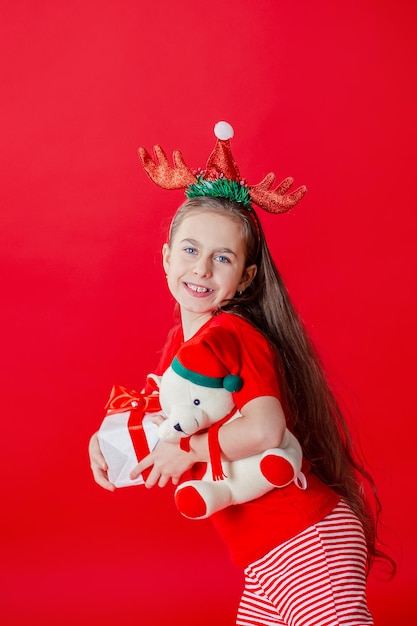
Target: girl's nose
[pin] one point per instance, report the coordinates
(202, 267)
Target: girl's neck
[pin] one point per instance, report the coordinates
(191, 322)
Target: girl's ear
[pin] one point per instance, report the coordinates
(248, 276)
(165, 257)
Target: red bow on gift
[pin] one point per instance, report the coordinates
(122, 399)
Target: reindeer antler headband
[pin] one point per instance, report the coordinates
(220, 178)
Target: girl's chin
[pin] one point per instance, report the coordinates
(199, 307)
(199, 310)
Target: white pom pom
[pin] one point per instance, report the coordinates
(223, 131)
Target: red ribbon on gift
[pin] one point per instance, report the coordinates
(138, 403)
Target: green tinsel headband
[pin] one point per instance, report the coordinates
(220, 188)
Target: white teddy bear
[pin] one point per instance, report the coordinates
(191, 401)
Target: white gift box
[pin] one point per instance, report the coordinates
(116, 445)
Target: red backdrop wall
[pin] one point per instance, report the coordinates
(321, 91)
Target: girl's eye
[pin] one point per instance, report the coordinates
(190, 250)
(222, 259)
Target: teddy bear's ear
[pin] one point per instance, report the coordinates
(153, 381)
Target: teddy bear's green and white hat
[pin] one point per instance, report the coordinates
(201, 365)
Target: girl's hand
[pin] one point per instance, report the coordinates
(168, 462)
(98, 464)
(157, 419)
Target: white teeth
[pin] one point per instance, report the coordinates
(197, 289)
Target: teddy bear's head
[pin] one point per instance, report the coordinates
(196, 391)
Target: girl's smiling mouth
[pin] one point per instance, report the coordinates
(198, 288)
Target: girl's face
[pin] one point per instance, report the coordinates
(205, 263)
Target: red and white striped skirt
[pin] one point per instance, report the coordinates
(318, 578)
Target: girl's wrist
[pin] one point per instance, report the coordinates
(199, 448)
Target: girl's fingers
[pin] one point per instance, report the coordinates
(99, 465)
(153, 478)
(96, 456)
(163, 481)
(100, 476)
(157, 419)
(144, 464)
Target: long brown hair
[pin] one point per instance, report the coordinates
(316, 418)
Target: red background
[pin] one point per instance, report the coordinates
(322, 91)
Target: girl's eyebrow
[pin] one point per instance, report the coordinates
(194, 242)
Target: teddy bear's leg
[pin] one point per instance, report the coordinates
(280, 466)
(276, 469)
(197, 499)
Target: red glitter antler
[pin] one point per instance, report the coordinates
(162, 173)
(276, 200)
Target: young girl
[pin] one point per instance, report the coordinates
(305, 553)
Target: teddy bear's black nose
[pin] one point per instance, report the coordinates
(178, 427)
